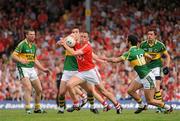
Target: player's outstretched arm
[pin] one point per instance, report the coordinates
(97, 58)
(113, 59)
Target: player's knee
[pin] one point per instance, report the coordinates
(69, 86)
(28, 89)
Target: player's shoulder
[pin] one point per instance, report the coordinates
(144, 42)
(159, 43)
(22, 43)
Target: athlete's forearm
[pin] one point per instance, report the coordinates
(72, 51)
(114, 60)
(168, 59)
(38, 64)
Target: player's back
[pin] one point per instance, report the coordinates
(137, 59)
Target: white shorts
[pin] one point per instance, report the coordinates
(67, 75)
(148, 82)
(27, 72)
(156, 71)
(91, 76)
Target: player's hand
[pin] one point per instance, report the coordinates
(47, 71)
(24, 61)
(58, 43)
(62, 42)
(166, 70)
(103, 58)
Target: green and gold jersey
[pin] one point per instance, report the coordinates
(155, 51)
(70, 63)
(137, 60)
(26, 51)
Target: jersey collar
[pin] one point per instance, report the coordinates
(133, 47)
(29, 44)
(152, 44)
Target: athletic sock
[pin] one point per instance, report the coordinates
(165, 106)
(61, 102)
(91, 100)
(37, 106)
(117, 106)
(27, 107)
(140, 103)
(158, 95)
(76, 103)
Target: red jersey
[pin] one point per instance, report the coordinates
(85, 61)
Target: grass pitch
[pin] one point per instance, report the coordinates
(86, 115)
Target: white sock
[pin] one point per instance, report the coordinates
(141, 105)
(167, 107)
(92, 106)
(61, 108)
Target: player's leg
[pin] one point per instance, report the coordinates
(61, 96)
(90, 98)
(158, 96)
(110, 96)
(149, 90)
(149, 95)
(73, 82)
(23, 75)
(133, 87)
(26, 84)
(82, 94)
(93, 77)
(38, 92)
(90, 88)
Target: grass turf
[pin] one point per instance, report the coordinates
(86, 115)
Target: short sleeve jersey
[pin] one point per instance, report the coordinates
(26, 51)
(136, 58)
(85, 61)
(155, 51)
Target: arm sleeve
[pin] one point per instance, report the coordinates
(125, 56)
(163, 48)
(18, 49)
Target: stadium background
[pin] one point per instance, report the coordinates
(111, 22)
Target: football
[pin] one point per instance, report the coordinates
(70, 41)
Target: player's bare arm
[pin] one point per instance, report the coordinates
(113, 59)
(39, 66)
(71, 50)
(98, 58)
(168, 58)
(18, 59)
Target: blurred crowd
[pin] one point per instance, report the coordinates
(111, 22)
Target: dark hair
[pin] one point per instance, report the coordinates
(152, 29)
(28, 30)
(133, 40)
